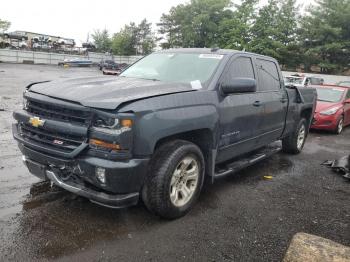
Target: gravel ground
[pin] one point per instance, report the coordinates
(240, 218)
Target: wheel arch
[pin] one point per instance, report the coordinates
(203, 138)
(307, 113)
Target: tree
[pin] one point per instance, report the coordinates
(102, 40)
(264, 31)
(320, 37)
(287, 34)
(235, 31)
(170, 29)
(4, 25)
(274, 32)
(134, 39)
(195, 24)
(325, 35)
(123, 42)
(145, 38)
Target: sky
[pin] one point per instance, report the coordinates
(76, 18)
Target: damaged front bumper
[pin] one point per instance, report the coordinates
(123, 178)
(73, 186)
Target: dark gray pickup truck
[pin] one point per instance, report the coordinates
(171, 121)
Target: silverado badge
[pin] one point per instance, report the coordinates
(36, 121)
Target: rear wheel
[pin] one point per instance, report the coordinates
(294, 143)
(340, 126)
(174, 180)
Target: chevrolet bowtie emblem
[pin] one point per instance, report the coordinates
(36, 121)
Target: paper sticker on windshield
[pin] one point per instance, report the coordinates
(336, 89)
(196, 84)
(170, 55)
(213, 56)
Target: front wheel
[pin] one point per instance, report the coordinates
(340, 126)
(294, 143)
(174, 180)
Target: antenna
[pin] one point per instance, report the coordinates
(214, 49)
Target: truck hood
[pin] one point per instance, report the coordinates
(106, 92)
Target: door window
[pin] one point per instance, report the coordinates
(240, 67)
(269, 79)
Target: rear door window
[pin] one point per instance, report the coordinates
(268, 77)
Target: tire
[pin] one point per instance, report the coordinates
(169, 179)
(340, 126)
(294, 143)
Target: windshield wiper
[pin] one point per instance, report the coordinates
(153, 79)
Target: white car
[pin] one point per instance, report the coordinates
(302, 80)
(63, 41)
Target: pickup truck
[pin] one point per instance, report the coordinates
(169, 122)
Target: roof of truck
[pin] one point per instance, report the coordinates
(216, 51)
(200, 50)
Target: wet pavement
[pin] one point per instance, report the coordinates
(240, 218)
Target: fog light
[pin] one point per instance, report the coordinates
(101, 174)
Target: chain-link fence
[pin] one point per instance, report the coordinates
(34, 57)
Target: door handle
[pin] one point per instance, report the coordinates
(257, 103)
(283, 100)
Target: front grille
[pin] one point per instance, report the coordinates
(55, 140)
(60, 113)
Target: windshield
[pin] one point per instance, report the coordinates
(315, 81)
(177, 67)
(294, 80)
(344, 83)
(329, 94)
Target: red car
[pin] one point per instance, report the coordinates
(333, 108)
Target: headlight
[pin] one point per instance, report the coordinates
(112, 125)
(106, 122)
(330, 111)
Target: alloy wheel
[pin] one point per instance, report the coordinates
(340, 126)
(184, 181)
(301, 137)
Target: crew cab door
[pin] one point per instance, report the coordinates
(240, 113)
(273, 97)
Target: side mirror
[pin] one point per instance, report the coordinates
(239, 85)
(347, 101)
